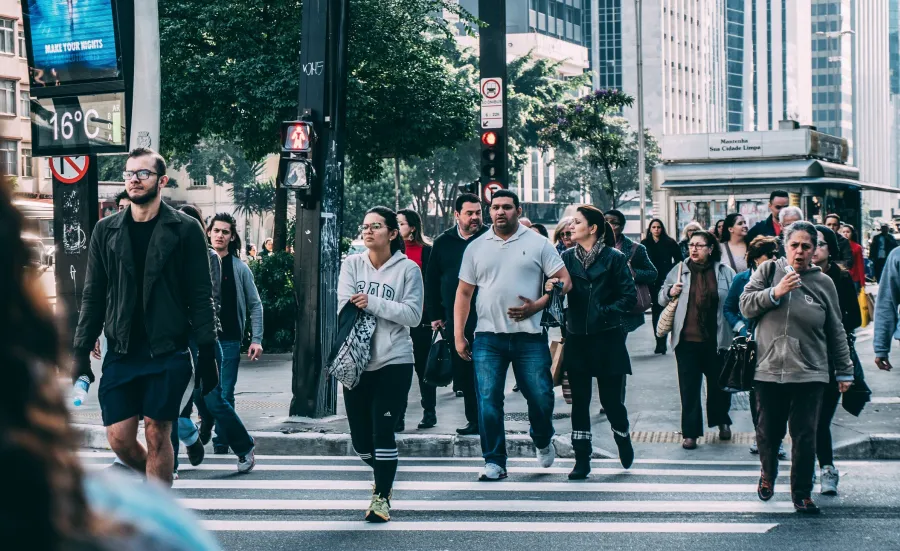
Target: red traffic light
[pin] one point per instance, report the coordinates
(489, 139)
(296, 136)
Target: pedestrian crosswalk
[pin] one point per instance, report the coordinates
(329, 494)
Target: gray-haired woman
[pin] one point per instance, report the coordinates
(798, 329)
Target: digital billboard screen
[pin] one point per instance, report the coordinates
(71, 42)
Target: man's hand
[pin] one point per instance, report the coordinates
(884, 364)
(361, 300)
(438, 324)
(844, 386)
(462, 348)
(207, 370)
(82, 365)
(786, 285)
(96, 352)
(522, 313)
(254, 352)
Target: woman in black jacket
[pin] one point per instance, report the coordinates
(664, 253)
(826, 256)
(602, 294)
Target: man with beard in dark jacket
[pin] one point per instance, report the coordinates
(441, 281)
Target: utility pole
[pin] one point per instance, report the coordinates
(494, 136)
(320, 196)
(638, 9)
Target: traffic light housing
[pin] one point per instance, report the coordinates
(295, 169)
(493, 157)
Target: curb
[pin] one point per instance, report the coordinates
(872, 446)
(338, 444)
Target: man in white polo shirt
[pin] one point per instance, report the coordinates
(508, 265)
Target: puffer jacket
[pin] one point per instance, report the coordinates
(797, 335)
(601, 295)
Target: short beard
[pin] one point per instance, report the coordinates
(152, 193)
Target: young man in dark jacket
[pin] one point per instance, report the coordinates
(441, 281)
(148, 282)
(778, 199)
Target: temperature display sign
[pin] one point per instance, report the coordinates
(65, 125)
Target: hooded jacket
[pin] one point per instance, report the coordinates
(395, 298)
(798, 334)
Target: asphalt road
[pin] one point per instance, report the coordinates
(291, 502)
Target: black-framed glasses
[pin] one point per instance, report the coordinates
(822, 244)
(697, 246)
(366, 227)
(142, 174)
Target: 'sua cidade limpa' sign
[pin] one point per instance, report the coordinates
(735, 145)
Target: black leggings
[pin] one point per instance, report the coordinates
(421, 337)
(372, 409)
(824, 449)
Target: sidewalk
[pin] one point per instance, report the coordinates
(263, 397)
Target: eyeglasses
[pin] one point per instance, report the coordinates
(567, 234)
(804, 246)
(697, 246)
(366, 227)
(821, 244)
(141, 174)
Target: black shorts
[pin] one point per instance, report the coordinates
(137, 385)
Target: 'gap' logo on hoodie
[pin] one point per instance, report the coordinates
(387, 292)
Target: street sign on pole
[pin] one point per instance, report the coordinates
(69, 170)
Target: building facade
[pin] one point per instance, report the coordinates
(832, 66)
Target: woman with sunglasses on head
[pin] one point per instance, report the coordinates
(686, 237)
(826, 257)
(700, 335)
(602, 294)
(664, 253)
(562, 237)
(384, 282)
(799, 337)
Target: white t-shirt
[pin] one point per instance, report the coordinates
(503, 271)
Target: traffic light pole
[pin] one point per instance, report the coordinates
(322, 102)
(493, 130)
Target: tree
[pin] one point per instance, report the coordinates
(591, 126)
(576, 176)
(256, 199)
(361, 196)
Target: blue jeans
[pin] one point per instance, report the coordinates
(530, 358)
(228, 373)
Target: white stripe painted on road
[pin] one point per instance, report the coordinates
(543, 527)
(506, 506)
(877, 400)
(748, 463)
(503, 486)
(438, 469)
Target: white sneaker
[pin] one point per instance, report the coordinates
(830, 478)
(546, 456)
(781, 453)
(492, 472)
(247, 462)
(754, 449)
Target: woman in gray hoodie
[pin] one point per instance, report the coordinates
(798, 329)
(385, 283)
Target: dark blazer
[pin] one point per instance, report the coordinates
(178, 292)
(602, 295)
(664, 255)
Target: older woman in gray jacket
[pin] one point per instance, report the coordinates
(798, 329)
(700, 335)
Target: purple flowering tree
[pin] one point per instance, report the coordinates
(591, 126)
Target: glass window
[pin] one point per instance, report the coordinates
(7, 97)
(7, 36)
(8, 157)
(26, 163)
(24, 103)
(22, 44)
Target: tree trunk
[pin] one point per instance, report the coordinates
(280, 232)
(612, 186)
(396, 183)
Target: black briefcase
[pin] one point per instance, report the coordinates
(439, 368)
(739, 367)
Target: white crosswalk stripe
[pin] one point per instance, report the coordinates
(329, 494)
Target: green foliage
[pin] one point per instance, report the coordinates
(590, 126)
(274, 277)
(360, 196)
(575, 175)
(256, 198)
(110, 167)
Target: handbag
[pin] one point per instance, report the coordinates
(439, 366)
(643, 290)
(556, 363)
(864, 308)
(555, 310)
(350, 356)
(739, 367)
(667, 316)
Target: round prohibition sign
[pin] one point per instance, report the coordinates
(69, 170)
(490, 88)
(490, 190)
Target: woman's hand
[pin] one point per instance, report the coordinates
(844, 386)
(787, 284)
(550, 283)
(360, 300)
(676, 289)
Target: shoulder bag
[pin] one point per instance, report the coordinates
(643, 290)
(350, 355)
(439, 366)
(667, 317)
(739, 367)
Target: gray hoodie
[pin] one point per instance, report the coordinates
(395, 297)
(797, 335)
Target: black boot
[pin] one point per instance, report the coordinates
(429, 420)
(583, 451)
(660, 345)
(626, 451)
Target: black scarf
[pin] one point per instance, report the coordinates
(588, 257)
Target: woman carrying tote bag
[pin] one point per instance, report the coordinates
(385, 283)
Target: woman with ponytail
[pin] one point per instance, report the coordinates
(385, 283)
